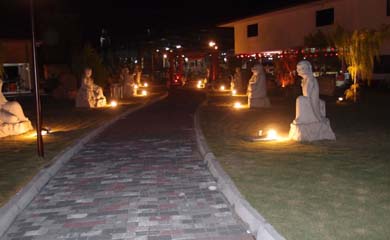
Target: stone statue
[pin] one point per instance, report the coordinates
(310, 122)
(90, 95)
(127, 81)
(236, 83)
(257, 88)
(12, 119)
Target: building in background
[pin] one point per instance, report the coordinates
(17, 62)
(285, 29)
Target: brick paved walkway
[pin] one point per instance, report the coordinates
(141, 179)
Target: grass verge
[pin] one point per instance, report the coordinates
(322, 190)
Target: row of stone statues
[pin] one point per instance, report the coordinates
(91, 95)
(310, 122)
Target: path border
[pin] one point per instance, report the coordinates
(20, 200)
(256, 222)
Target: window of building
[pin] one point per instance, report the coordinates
(325, 17)
(388, 7)
(253, 30)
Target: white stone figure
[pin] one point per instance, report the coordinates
(127, 80)
(236, 83)
(12, 119)
(257, 88)
(310, 122)
(90, 95)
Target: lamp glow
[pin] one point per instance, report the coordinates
(146, 84)
(222, 88)
(135, 86)
(272, 134)
(144, 93)
(113, 103)
(237, 105)
(234, 92)
(341, 99)
(211, 44)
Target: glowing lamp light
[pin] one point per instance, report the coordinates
(272, 134)
(237, 105)
(146, 84)
(341, 99)
(45, 131)
(216, 47)
(113, 103)
(234, 92)
(222, 88)
(165, 56)
(144, 93)
(211, 44)
(135, 86)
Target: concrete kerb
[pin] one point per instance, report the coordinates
(17, 203)
(257, 223)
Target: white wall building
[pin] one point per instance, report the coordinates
(286, 28)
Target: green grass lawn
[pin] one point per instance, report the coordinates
(322, 190)
(19, 162)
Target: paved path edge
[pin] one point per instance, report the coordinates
(20, 200)
(256, 222)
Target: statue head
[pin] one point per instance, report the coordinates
(304, 68)
(87, 72)
(257, 69)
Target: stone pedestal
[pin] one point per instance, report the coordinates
(10, 129)
(311, 131)
(259, 102)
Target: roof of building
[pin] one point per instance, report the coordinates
(277, 10)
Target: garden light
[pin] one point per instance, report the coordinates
(272, 135)
(222, 88)
(146, 84)
(237, 105)
(113, 103)
(211, 44)
(341, 99)
(144, 93)
(234, 92)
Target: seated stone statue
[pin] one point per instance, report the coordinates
(12, 119)
(257, 88)
(310, 122)
(90, 95)
(127, 80)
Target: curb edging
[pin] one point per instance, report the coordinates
(256, 222)
(21, 199)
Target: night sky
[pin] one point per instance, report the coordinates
(126, 18)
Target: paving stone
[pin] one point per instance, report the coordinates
(141, 179)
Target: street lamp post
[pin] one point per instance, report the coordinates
(36, 85)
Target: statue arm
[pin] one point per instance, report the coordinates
(313, 94)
